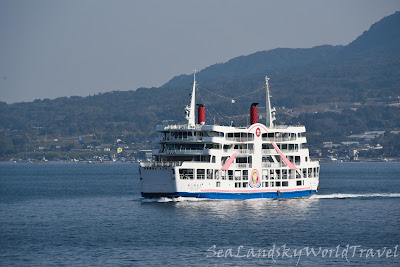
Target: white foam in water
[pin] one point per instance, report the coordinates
(174, 199)
(316, 196)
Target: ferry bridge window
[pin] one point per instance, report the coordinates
(209, 173)
(245, 174)
(284, 174)
(264, 174)
(213, 134)
(278, 174)
(186, 174)
(242, 160)
(267, 159)
(200, 174)
(230, 174)
(207, 134)
(216, 174)
(267, 146)
(237, 175)
(267, 136)
(223, 175)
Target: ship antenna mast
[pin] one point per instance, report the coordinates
(190, 111)
(269, 111)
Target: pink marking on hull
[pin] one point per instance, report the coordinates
(229, 162)
(287, 162)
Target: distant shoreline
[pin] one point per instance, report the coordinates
(71, 162)
(131, 162)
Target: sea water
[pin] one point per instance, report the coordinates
(69, 214)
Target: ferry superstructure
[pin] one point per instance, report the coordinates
(226, 162)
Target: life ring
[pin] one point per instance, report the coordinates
(278, 192)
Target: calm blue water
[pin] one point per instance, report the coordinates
(92, 214)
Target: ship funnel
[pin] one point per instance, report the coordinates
(201, 114)
(253, 113)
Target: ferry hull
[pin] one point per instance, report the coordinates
(220, 195)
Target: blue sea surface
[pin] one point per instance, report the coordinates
(66, 214)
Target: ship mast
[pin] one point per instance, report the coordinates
(190, 111)
(269, 111)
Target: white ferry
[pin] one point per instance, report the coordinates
(226, 162)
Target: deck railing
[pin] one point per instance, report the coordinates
(161, 164)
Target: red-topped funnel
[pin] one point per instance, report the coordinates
(201, 114)
(253, 113)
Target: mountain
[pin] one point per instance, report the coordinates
(364, 73)
(368, 67)
(260, 62)
(381, 40)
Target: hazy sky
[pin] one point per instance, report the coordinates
(51, 48)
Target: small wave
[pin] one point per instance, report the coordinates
(342, 196)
